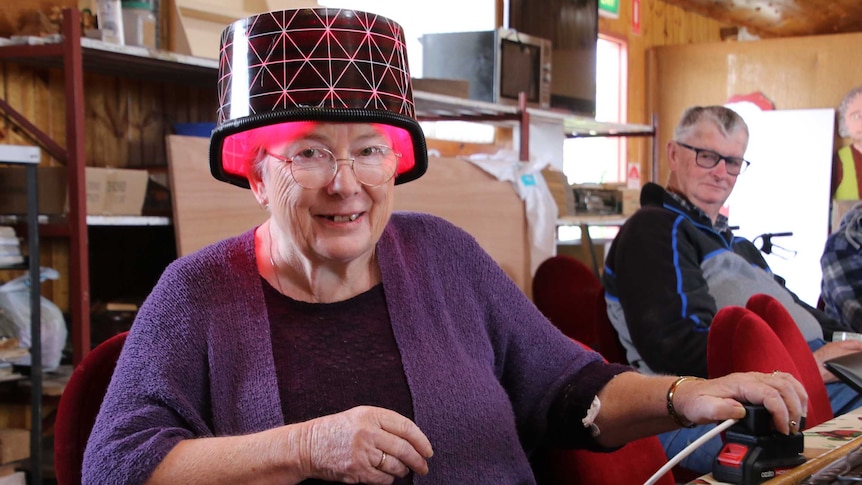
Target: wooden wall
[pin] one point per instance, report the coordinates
(126, 123)
(794, 73)
(660, 25)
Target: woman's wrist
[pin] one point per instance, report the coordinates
(672, 410)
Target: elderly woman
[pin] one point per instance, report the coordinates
(342, 342)
(846, 180)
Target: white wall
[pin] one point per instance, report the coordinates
(786, 188)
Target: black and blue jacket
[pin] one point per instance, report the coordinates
(668, 272)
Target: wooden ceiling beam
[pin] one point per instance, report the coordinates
(781, 18)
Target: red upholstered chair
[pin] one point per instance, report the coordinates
(609, 344)
(740, 341)
(781, 322)
(79, 405)
(567, 292)
(634, 463)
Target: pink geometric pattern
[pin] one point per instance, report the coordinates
(301, 65)
(325, 58)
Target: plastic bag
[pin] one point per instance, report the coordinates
(15, 304)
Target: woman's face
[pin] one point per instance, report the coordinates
(853, 120)
(339, 222)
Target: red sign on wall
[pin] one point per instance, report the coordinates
(636, 17)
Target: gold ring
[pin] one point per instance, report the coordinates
(382, 460)
(775, 372)
(793, 424)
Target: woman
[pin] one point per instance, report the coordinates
(340, 342)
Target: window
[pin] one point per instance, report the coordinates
(602, 159)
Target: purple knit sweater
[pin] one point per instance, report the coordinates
(482, 363)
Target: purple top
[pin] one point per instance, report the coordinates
(482, 364)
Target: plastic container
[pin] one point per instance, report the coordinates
(139, 24)
(110, 20)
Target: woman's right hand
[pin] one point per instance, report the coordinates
(350, 446)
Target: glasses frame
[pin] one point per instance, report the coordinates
(697, 151)
(289, 162)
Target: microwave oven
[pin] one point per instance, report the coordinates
(498, 64)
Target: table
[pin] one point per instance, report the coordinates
(819, 440)
(584, 222)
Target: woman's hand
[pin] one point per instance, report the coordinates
(832, 350)
(707, 401)
(364, 445)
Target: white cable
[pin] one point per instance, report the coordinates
(688, 449)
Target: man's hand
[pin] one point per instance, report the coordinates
(832, 350)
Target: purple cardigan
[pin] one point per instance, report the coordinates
(482, 363)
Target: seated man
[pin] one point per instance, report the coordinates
(675, 263)
(842, 271)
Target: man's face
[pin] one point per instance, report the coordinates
(853, 120)
(707, 188)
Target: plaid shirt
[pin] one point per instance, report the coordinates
(841, 263)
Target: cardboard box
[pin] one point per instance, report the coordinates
(631, 201)
(561, 191)
(52, 190)
(115, 191)
(14, 445)
(451, 87)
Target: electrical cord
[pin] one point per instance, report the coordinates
(689, 449)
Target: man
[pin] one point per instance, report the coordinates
(847, 165)
(675, 263)
(842, 271)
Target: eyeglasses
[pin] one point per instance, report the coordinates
(315, 167)
(709, 159)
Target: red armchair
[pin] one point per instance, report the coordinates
(634, 463)
(740, 341)
(567, 292)
(781, 322)
(79, 405)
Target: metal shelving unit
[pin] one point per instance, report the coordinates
(30, 157)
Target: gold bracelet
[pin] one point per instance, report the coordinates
(680, 420)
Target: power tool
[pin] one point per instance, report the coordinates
(754, 452)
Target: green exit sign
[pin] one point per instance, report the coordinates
(609, 8)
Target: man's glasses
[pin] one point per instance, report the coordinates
(709, 159)
(315, 167)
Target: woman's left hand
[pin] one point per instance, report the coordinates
(707, 401)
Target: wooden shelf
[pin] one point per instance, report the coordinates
(119, 60)
(128, 221)
(592, 220)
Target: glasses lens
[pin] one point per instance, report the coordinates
(707, 159)
(313, 167)
(734, 165)
(375, 165)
